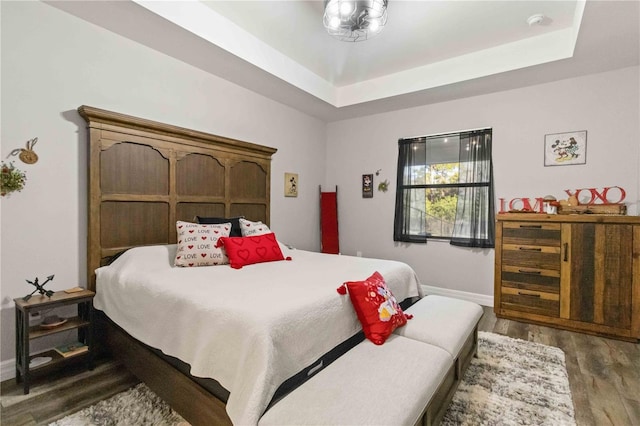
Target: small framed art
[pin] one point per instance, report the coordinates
(565, 149)
(367, 186)
(290, 184)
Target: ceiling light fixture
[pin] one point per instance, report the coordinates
(354, 20)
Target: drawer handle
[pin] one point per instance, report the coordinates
(566, 252)
(531, 226)
(528, 294)
(529, 249)
(524, 271)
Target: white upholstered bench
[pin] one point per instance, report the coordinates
(448, 323)
(390, 384)
(409, 380)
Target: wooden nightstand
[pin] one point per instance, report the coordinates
(83, 323)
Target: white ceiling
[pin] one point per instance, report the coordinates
(417, 33)
(430, 51)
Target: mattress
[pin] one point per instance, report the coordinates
(250, 329)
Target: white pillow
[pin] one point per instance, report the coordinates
(253, 228)
(197, 244)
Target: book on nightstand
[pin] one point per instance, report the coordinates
(71, 349)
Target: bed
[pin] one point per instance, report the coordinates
(145, 176)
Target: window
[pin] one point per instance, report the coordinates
(445, 189)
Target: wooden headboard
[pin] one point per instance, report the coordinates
(144, 176)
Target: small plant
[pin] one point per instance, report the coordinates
(12, 179)
(383, 186)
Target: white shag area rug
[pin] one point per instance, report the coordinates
(512, 382)
(136, 406)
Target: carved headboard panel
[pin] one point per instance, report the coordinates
(145, 175)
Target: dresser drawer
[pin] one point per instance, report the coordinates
(545, 280)
(531, 234)
(529, 301)
(531, 256)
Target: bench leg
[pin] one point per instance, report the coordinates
(475, 340)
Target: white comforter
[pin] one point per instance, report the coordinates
(251, 328)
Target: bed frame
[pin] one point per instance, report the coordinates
(143, 177)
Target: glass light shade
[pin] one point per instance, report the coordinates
(345, 8)
(354, 20)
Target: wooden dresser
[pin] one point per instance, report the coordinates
(577, 272)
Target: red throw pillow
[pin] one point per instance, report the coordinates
(244, 251)
(377, 309)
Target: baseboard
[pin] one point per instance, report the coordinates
(7, 369)
(480, 299)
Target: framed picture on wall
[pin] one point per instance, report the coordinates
(565, 149)
(367, 186)
(290, 184)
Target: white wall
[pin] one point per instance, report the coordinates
(606, 105)
(52, 63)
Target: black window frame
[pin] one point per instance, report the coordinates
(401, 224)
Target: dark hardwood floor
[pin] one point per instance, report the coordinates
(604, 375)
(61, 393)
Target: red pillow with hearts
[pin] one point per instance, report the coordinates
(244, 251)
(376, 307)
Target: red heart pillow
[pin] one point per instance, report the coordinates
(377, 309)
(244, 251)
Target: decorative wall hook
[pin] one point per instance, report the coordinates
(378, 172)
(27, 154)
